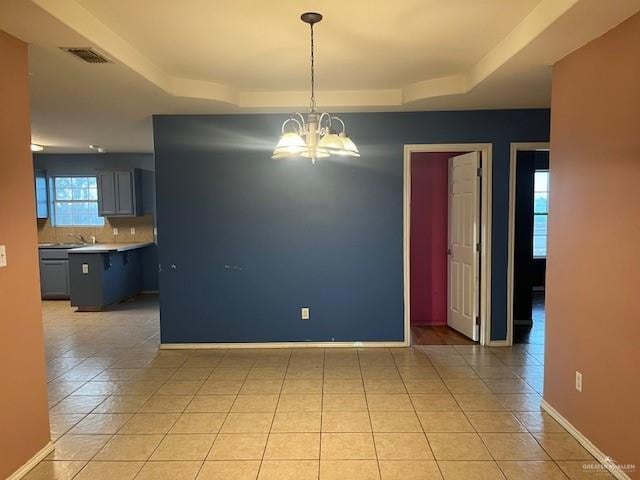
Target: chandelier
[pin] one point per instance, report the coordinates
(316, 135)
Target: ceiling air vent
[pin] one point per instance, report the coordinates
(88, 55)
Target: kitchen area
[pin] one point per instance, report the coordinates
(96, 228)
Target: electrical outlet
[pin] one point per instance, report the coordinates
(115, 230)
(3, 256)
(85, 268)
(578, 381)
(304, 313)
(133, 230)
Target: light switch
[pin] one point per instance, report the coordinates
(115, 230)
(3, 256)
(85, 268)
(133, 230)
(304, 313)
(578, 381)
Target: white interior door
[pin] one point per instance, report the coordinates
(464, 255)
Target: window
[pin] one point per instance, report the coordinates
(42, 202)
(75, 202)
(540, 212)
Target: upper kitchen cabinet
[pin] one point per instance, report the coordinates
(42, 197)
(120, 193)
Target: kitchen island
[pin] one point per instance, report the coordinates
(104, 274)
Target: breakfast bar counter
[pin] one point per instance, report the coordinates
(104, 274)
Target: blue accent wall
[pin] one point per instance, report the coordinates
(89, 164)
(246, 241)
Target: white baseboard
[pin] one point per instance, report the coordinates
(33, 461)
(204, 346)
(498, 343)
(585, 442)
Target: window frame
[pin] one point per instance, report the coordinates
(54, 211)
(545, 214)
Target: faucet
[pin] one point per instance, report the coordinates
(77, 236)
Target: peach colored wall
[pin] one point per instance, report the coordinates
(593, 264)
(24, 421)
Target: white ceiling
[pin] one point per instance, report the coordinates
(256, 45)
(239, 56)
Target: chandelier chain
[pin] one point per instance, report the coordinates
(313, 80)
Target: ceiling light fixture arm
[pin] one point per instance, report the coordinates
(328, 118)
(292, 119)
(341, 123)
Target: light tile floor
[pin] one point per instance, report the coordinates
(123, 409)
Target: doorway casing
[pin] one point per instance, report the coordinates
(513, 163)
(485, 150)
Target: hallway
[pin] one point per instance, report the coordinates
(122, 409)
(533, 334)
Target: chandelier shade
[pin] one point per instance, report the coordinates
(290, 143)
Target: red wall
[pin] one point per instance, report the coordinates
(428, 249)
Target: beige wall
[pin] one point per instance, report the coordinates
(593, 273)
(24, 421)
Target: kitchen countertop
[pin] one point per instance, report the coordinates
(109, 247)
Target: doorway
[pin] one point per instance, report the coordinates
(447, 220)
(528, 212)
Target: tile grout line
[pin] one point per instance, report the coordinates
(324, 365)
(225, 353)
(170, 427)
(422, 426)
(264, 451)
(366, 399)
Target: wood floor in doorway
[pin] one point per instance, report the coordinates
(437, 335)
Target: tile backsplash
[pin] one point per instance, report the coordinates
(48, 233)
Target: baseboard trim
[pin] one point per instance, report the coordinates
(149, 292)
(613, 468)
(523, 322)
(33, 461)
(498, 343)
(213, 346)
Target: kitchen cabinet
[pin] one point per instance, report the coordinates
(106, 194)
(42, 194)
(54, 274)
(120, 193)
(101, 277)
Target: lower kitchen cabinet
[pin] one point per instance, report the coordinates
(102, 279)
(54, 274)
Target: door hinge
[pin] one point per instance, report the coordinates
(479, 171)
(477, 319)
(478, 247)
